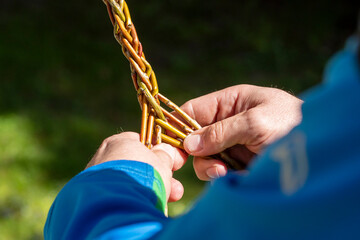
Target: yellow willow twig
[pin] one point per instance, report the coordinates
(151, 100)
(172, 141)
(150, 130)
(136, 57)
(116, 7)
(144, 120)
(182, 125)
(142, 75)
(170, 128)
(174, 107)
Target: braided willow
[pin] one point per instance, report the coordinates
(156, 121)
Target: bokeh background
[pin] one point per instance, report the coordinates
(65, 85)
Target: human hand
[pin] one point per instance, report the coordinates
(163, 157)
(243, 119)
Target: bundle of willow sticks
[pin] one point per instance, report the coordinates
(156, 121)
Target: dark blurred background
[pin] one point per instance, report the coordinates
(65, 85)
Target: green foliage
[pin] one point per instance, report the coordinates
(65, 85)
(25, 196)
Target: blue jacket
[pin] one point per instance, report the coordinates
(305, 186)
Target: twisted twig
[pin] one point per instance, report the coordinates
(145, 83)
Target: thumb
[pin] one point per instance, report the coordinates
(219, 136)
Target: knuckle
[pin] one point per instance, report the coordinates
(164, 156)
(110, 139)
(106, 141)
(258, 127)
(126, 135)
(118, 137)
(216, 134)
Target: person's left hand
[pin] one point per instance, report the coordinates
(163, 157)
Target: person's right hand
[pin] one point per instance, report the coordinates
(244, 118)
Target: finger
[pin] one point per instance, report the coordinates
(178, 156)
(166, 154)
(208, 169)
(177, 190)
(218, 105)
(220, 136)
(180, 159)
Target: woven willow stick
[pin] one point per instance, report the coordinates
(150, 130)
(170, 128)
(172, 141)
(174, 107)
(158, 134)
(154, 118)
(171, 117)
(144, 120)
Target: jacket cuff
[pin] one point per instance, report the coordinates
(141, 172)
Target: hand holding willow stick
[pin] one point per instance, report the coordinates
(155, 119)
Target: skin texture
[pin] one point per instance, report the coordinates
(243, 119)
(163, 157)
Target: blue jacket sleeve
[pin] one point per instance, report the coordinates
(127, 196)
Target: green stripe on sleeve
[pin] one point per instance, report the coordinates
(159, 189)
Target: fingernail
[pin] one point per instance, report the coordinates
(193, 143)
(216, 172)
(212, 173)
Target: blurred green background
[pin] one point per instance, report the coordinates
(65, 85)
